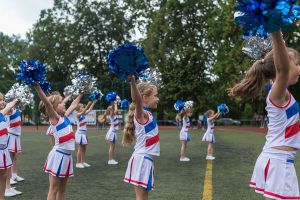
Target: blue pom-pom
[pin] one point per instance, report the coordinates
(96, 95)
(125, 104)
(111, 96)
(179, 105)
(223, 108)
(265, 16)
(126, 60)
(46, 87)
(31, 72)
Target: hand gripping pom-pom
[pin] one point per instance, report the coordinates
(127, 59)
(265, 16)
(179, 106)
(111, 97)
(125, 104)
(223, 108)
(22, 93)
(31, 72)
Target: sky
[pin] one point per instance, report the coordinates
(18, 16)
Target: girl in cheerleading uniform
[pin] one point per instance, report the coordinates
(184, 136)
(5, 159)
(111, 135)
(209, 136)
(14, 141)
(141, 127)
(59, 163)
(274, 174)
(80, 136)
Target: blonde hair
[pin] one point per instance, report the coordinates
(54, 100)
(145, 89)
(209, 112)
(253, 84)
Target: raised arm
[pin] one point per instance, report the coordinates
(215, 116)
(52, 114)
(73, 105)
(84, 110)
(8, 107)
(282, 65)
(66, 99)
(91, 107)
(137, 99)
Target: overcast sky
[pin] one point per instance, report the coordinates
(18, 16)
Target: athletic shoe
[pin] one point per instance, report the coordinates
(12, 182)
(185, 159)
(17, 178)
(13, 189)
(9, 193)
(86, 165)
(79, 165)
(210, 158)
(112, 162)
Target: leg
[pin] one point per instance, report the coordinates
(3, 177)
(14, 156)
(111, 150)
(183, 148)
(79, 154)
(140, 193)
(83, 151)
(210, 149)
(62, 189)
(54, 184)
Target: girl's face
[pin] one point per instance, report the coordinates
(80, 107)
(2, 102)
(61, 107)
(189, 112)
(294, 70)
(211, 113)
(152, 100)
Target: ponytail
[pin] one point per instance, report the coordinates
(128, 132)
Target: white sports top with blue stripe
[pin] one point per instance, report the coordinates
(63, 135)
(3, 130)
(14, 121)
(210, 125)
(147, 137)
(114, 123)
(186, 124)
(283, 126)
(81, 123)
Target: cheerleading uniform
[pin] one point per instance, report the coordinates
(111, 134)
(184, 135)
(140, 169)
(5, 160)
(80, 136)
(274, 174)
(49, 131)
(60, 162)
(14, 131)
(209, 134)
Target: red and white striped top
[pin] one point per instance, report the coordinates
(3, 130)
(283, 126)
(14, 122)
(64, 135)
(210, 125)
(185, 124)
(147, 137)
(81, 123)
(114, 122)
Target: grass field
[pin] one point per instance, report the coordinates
(235, 153)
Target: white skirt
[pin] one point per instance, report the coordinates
(5, 159)
(274, 175)
(209, 137)
(140, 171)
(81, 138)
(184, 136)
(59, 163)
(111, 135)
(14, 143)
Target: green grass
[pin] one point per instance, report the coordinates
(235, 157)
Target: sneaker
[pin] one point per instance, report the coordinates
(18, 178)
(13, 189)
(12, 182)
(112, 162)
(86, 165)
(79, 165)
(9, 193)
(210, 157)
(185, 159)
